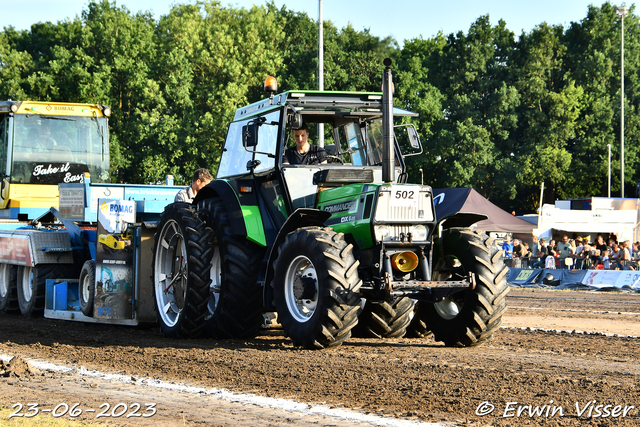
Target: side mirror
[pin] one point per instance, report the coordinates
(408, 140)
(250, 135)
(414, 139)
(295, 121)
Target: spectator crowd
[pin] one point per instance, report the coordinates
(578, 253)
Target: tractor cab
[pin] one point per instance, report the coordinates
(351, 128)
(43, 144)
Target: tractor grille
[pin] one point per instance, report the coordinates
(404, 204)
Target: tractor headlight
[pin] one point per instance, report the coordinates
(381, 231)
(419, 232)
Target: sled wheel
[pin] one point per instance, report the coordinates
(31, 284)
(87, 287)
(8, 289)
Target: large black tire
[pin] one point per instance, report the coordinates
(181, 271)
(31, 284)
(470, 317)
(418, 327)
(321, 311)
(87, 287)
(385, 319)
(9, 289)
(236, 304)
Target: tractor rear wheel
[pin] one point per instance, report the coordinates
(235, 308)
(316, 287)
(8, 289)
(181, 271)
(385, 319)
(470, 317)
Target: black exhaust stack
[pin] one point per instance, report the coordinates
(388, 153)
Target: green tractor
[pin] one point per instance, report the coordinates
(341, 246)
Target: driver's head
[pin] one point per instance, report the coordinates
(301, 135)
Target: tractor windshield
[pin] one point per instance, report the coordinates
(58, 149)
(363, 143)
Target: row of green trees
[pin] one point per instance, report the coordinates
(498, 112)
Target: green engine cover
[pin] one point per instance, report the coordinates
(351, 207)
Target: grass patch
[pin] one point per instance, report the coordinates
(41, 419)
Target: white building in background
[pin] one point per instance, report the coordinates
(590, 217)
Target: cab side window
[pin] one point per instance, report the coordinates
(235, 157)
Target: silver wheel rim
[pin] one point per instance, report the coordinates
(301, 308)
(4, 280)
(447, 308)
(216, 281)
(170, 273)
(27, 283)
(86, 287)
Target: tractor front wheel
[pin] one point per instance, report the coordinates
(316, 287)
(470, 317)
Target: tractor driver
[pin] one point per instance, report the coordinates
(303, 153)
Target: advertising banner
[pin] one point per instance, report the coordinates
(114, 259)
(15, 249)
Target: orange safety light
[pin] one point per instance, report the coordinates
(271, 85)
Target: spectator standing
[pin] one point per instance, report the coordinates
(518, 253)
(579, 254)
(541, 254)
(564, 249)
(605, 259)
(535, 245)
(588, 254)
(570, 259)
(600, 244)
(625, 255)
(614, 255)
(552, 254)
(507, 247)
(635, 255)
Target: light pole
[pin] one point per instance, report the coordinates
(421, 177)
(320, 67)
(609, 192)
(621, 11)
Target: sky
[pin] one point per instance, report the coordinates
(401, 19)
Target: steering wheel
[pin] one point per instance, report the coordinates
(328, 157)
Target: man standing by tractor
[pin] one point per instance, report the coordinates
(201, 177)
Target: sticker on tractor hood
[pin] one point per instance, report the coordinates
(349, 206)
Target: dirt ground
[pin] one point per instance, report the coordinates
(561, 358)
